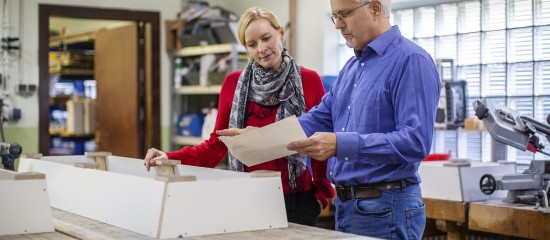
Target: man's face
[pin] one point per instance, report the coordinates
(355, 21)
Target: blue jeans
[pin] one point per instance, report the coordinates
(396, 214)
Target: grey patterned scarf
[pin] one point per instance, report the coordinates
(282, 88)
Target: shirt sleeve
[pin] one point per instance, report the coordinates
(415, 95)
(318, 118)
(313, 93)
(212, 151)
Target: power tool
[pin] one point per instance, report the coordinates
(9, 152)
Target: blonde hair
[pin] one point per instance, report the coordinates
(251, 14)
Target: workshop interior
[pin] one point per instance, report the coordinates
(87, 87)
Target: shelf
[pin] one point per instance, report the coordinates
(74, 38)
(196, 90)
(86, 72)
(207, 49)
(187, 141)
(73, 136)
(60, 100)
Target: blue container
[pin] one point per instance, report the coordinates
(190, 124)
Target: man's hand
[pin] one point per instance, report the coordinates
(320, 146)
(152, 156)
(230, 132)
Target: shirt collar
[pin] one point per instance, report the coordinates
(380, 43)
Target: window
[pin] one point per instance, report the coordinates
(501, 49)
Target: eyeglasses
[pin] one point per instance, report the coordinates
(345, 14)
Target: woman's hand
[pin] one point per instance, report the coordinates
(230, 132)
(152, 156)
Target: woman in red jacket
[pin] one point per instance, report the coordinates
(270, 88)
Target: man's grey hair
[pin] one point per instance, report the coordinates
(386, 7)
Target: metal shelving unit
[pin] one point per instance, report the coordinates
(192, 98)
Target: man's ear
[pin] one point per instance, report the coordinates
(376, 8)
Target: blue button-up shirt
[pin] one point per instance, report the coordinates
(382, 108)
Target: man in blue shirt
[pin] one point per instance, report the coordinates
(375, 125)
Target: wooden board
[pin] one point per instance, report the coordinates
(85, 228)
(129, 197)
(126, 201)
(508, 219)
(39, 236)
(446, 210)
(24, 205)
(220, 208)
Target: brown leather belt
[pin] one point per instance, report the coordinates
(368, 190)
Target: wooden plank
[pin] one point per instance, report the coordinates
(265, 173)
(517, 220)
(168, 162)
(167, 166)
(31, 155)
(29, 176)
(176, 178)
(293, 231)
(87, 165)
(126, 201)
(97, 154)
(446, 210)
(262, 198)
(99, 158)
(38, 236)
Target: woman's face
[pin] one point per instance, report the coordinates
(264, 43)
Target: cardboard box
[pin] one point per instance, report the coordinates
(75, 117)
(173, 29)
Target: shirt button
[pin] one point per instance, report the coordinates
(362, 64)
(343, 129)
(349, 107)
(355, 85)
(346, 158)
(330, 173)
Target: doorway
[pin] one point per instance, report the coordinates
(138, 98)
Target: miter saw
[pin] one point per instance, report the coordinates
(507, 126)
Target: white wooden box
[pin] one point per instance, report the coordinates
(24, 204)
(460, 184)
(129, 197)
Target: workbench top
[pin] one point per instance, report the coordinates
(70, 226)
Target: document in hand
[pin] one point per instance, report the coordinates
(266, 143)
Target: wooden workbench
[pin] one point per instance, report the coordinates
(450, 216)
(518, 220)
(70, 226)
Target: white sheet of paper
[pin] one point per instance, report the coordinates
(266, 143)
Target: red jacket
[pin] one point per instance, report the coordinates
(212, 151)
